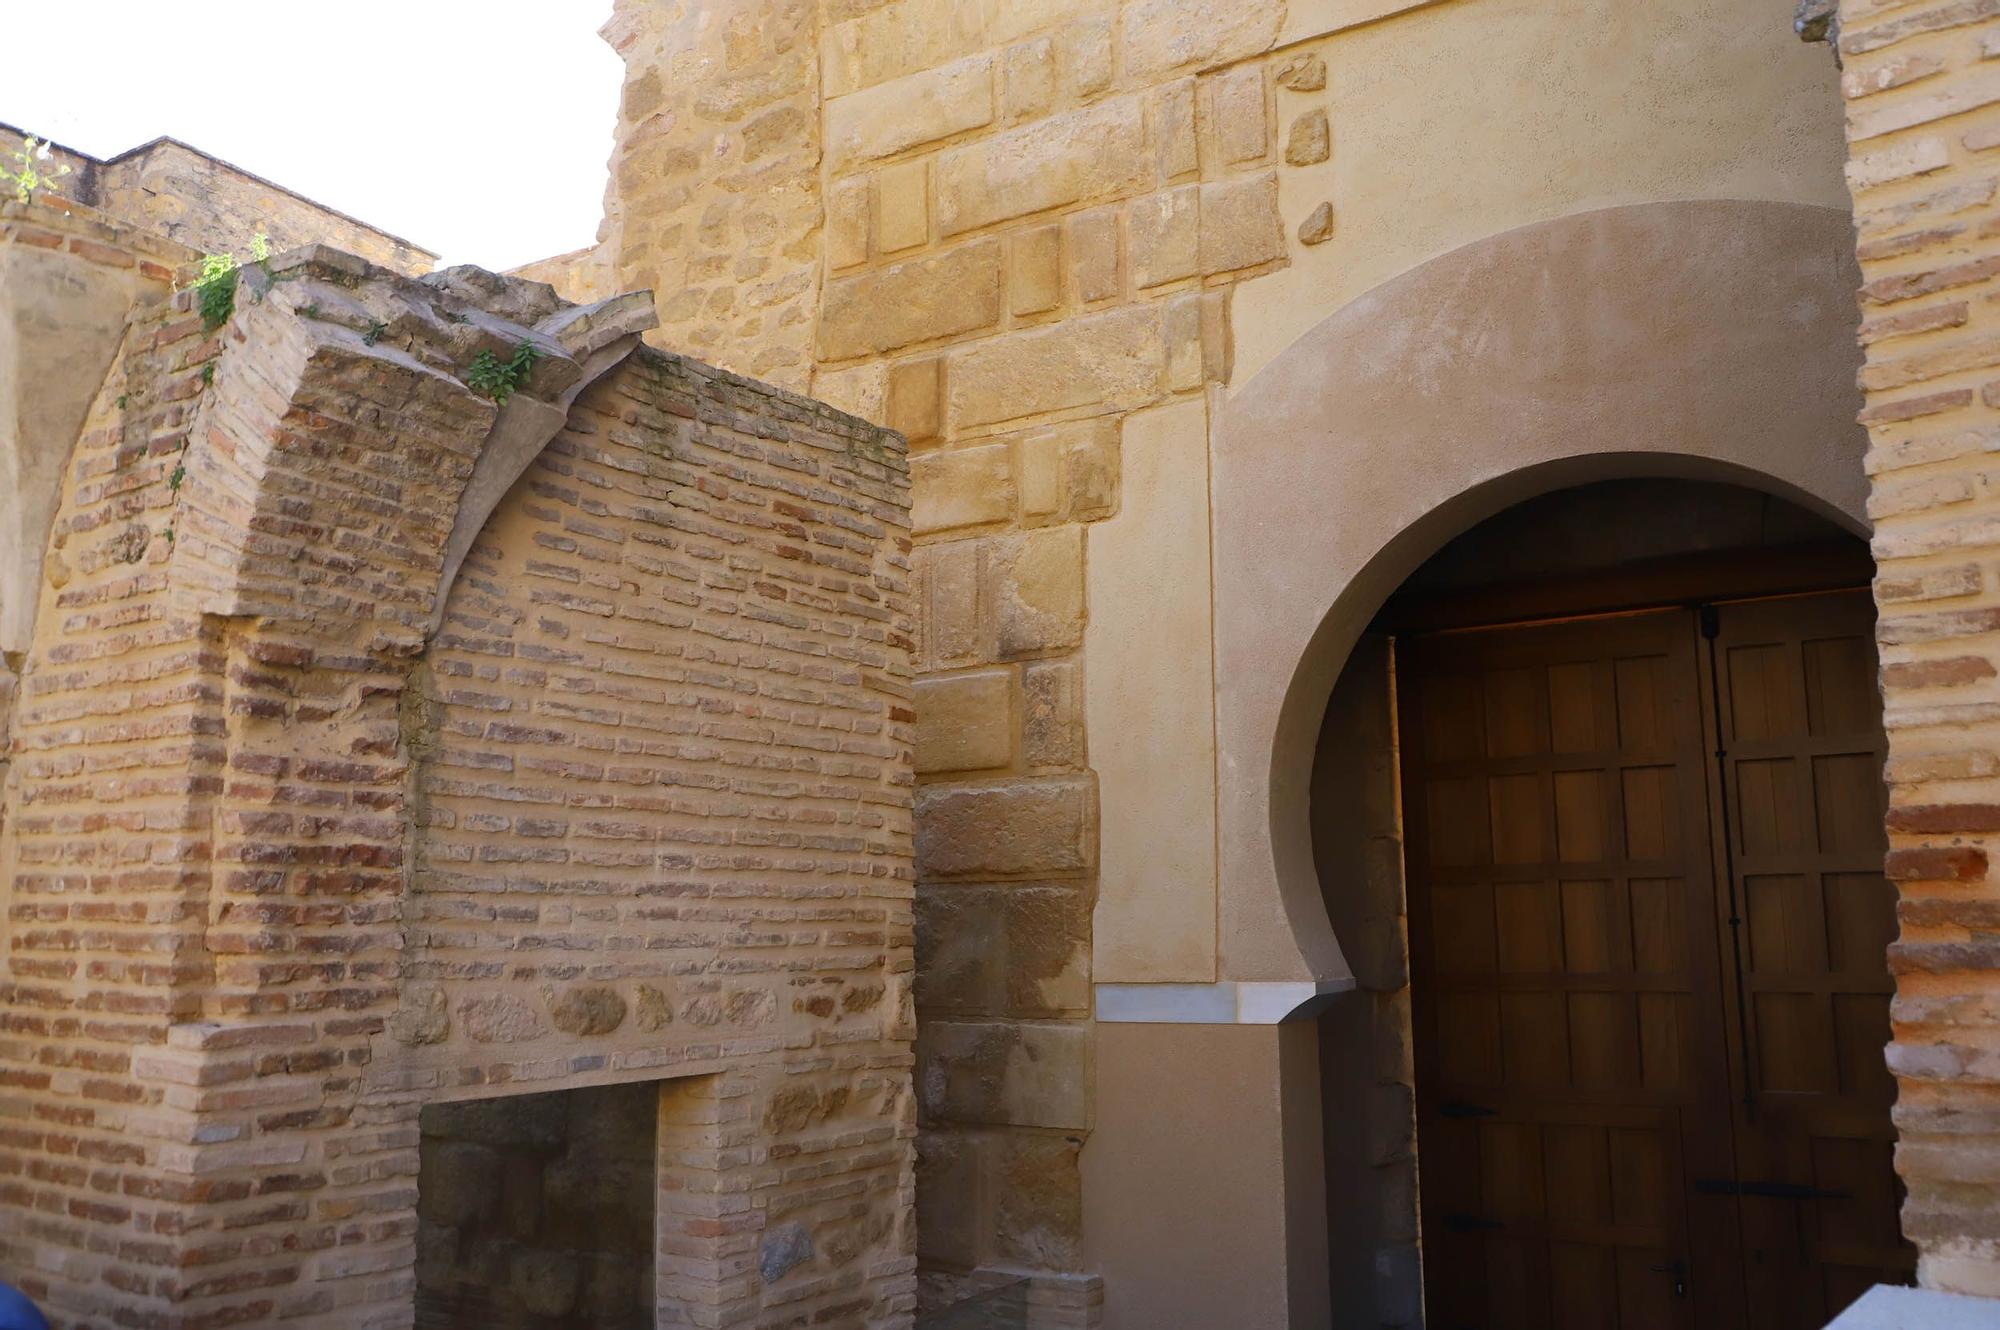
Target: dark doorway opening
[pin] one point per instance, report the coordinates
(535, 1212)
(1619, 1063)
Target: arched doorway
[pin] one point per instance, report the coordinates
(1619, 749)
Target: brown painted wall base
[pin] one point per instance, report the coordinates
(1204, 1179)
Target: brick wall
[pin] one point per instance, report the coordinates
(286, 870)
(1923, 121)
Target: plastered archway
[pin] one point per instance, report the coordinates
(1703, 340)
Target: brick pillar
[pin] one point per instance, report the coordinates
(1923, 121)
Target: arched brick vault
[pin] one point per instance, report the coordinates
(1707, 340)
(211, 1112)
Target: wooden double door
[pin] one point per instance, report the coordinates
(1648, 925)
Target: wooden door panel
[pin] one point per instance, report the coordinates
(1557, 860)
(1798, 718)
(1651, 994)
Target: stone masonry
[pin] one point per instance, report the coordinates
(380, 744)
(1001, 229)
(1923, 121)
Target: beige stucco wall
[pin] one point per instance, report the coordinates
(1456, 121)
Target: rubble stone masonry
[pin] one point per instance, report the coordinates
(380, 745)
(1923, 124)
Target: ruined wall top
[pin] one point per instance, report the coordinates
(198, 200)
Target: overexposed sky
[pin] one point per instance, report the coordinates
(476, 128)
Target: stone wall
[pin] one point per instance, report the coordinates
(307, 829)
(1923, 123)
(182, 194)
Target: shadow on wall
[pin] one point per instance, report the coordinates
(535, 1212)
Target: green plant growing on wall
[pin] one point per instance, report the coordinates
(490, 376)
(216, 286)
(29, 176)
(215, 289)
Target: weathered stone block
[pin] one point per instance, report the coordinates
(847, 223)
(1317, 228)
(1034, 270)
(1003, 950)
(1083, 58)
(952, 621)
(965, 722)
(1310, 140)
(1175, 129)
(1242, 133)
(1093, 249)
(1041, 477)
(1034, 582)
(1028, 74)
(1006, 829)
(902, 206)
(500, 1018)
(915, 406)
(1052, 714)
(962, 487)
(1305, 72)
(1114, 359)
(1184, 360)
(948, 1192)
(1039, 1220)
(1163, 35)
(903, 113)
(591, 1009)
(920, 300)
(1166, 237)
(1065, 159)
(1003, 1074)
(1240, 225)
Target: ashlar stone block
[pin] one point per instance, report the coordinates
(847, 223)
(915, 406)
(1080, 155)
(1052, 714)
(1242, 133)
(999, 1073)
(1010, 828)
(902, 206)
(1175, 129)
(965, 722)
(919, 300)
(1093, 248)
(1240, 223)
(919, 108)
(1115, 359)
(1034, 582)
(1166, 237)
(1164, 35)
(961, 487)
(1028, 80)
(1034, 270)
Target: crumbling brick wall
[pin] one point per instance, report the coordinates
(1923, 124)
(285, 869)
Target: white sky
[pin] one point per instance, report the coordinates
(476, 128)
